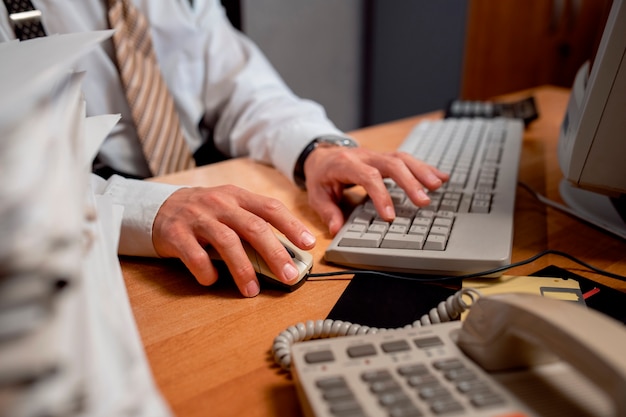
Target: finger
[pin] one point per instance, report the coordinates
(257, 232)
(412, 175)
(431, 177)
(279, 216)
(324, 202)
(262, 238)
(196, 260)
(405, 177)
(371, 178)
(230, 248)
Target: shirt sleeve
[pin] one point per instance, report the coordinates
(238, 96)
(141, 201)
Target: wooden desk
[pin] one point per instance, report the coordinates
(209, 347)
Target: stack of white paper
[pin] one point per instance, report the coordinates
(68, 341)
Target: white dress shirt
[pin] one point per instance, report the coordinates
(219, 79)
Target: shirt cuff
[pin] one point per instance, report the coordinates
(141, 201)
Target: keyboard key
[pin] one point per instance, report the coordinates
(443, 221)
(364, 217)
(480, 206)
(449, 204)
(400, 241)
(440, 230)
(446, 214)
(422, 221)
(352, 239)
(364, 240)
(397, 228)
(357, 227)
(435, 242)
(378, 228)
(418, 230)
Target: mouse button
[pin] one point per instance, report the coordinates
(294, 251)
(289, 251)
(253, 256)
(305, 257)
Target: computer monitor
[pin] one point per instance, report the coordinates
(592, 142)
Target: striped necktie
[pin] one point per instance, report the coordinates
(151, 104)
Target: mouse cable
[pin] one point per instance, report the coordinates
(447, 310)
(474, 274)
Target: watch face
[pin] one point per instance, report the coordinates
(337, 141)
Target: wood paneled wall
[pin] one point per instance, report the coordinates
(517, 44)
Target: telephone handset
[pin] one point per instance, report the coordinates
(514, 355)
(509, 331)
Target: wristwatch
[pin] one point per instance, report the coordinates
(321, 141)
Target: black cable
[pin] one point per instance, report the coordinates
(474, 274)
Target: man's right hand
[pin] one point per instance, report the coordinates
(192, 218)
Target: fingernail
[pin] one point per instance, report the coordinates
(433, 179)
(333, 226)
(308, 239)
(423, 196)
(290, 272)
(389, 212)
(252, 289)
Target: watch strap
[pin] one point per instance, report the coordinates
(331, 140)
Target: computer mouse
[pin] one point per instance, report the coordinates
(302, 259)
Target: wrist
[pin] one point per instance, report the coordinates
(322, 141)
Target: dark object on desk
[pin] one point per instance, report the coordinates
(383, 302)
(524, 109)
(378, 301)
(597, 296)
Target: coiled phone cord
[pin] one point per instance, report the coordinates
(447, 310)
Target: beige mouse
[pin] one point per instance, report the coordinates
(303, 261)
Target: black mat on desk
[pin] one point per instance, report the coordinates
(384, 302)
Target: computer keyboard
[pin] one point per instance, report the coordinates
(406, 372)
(467, 228)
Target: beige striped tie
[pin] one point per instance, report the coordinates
(151, 104)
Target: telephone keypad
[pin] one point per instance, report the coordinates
(404, 373)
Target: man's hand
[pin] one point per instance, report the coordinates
(328, 170)
(221, 216)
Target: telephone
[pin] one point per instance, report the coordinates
(515, 355)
